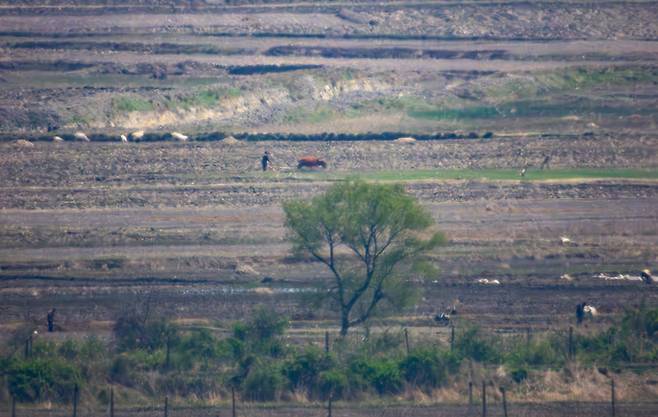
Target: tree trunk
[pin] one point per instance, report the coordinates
(344, 323)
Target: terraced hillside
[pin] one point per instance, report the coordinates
(327, 66)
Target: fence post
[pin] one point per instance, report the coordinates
(470, 393)
(452, 337)
(326, 342)
(233, 402)
(406, 339)
(527, 337)
(612, 396)
(502, 391)
(28, 346)
(13, 406)
(168, 354)
(329, 407)
(166, 408)
(76, 394)
(111, 401)
(484, 399)
(570, 347)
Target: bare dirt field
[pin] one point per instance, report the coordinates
(178, 221)
(317, 66)
(496, 410)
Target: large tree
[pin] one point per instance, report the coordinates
(372, 237)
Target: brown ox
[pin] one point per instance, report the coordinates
(310, 162)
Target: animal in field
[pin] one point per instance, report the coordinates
(310, 162)
(584, 310)
(442, 319)
(646, 276)
(590, 311)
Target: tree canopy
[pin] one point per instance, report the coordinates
(371, 237)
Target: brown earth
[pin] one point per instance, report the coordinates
(86, 224)
(318, 66)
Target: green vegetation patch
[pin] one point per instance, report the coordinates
(443, 113)
(319, 114)
(131, 104)
(494, 174)
(569, 79)
(203, 98)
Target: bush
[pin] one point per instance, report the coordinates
(472, 344)
(382, 374)
(198, 345)
(545, 352)
(303, 369)
(260, 335)
(131, 332)
(263, 383)
(42, 379)
(428, 367)
(332, 384)
(519, 374)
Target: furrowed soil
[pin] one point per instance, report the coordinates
(92, 228)
(309, 67)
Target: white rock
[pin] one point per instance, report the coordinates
(137, 135)
(81, 136)
(23, 143)
(405, 140)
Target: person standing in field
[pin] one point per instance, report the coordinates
(265, 160)
(51, 320)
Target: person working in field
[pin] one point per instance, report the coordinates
(51, 320)
(265, 160)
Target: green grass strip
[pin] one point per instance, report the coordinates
(487, 174)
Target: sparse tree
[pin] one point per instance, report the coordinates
(372, 237)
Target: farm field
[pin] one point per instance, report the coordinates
(193, 231)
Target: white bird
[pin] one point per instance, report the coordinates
(124, 139)
(565, 240)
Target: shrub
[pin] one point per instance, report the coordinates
(519, 374)
(42, 379)
(428, 367)
(122, 371)
(263, 383)
(303, 369)
(332, 384)
(132, 332)
(544, 352)
(261, 334)
(200, 345)
(382, 374)
(472, 344)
